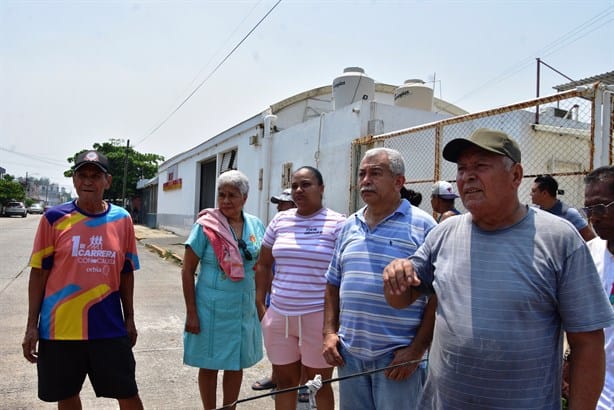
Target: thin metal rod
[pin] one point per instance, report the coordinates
(349, 376)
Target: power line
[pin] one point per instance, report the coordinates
(168, 117)
(46, 160)
(549, 49)
(219, 50)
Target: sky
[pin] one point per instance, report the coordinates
(74, 73)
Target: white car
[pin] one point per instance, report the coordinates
(15, 208)
(36, 209)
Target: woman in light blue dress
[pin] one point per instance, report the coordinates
(222, 331)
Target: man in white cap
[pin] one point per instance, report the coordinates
(442, 200)
(284, 200)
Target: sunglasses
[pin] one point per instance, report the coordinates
(243, 247)
(598, 210)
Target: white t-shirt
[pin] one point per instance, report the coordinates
(604, 261)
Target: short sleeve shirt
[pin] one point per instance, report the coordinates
(368, 326)
(504, 299)
(86, 256)
(302, 248)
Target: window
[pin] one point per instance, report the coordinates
(229, 160)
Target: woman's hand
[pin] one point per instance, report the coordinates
(261, 309)
(192, 323)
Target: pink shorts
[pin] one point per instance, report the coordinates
(289, 339)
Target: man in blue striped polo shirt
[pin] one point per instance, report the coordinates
(509, 280)
(361, 331)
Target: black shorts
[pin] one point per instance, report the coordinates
(63, 364)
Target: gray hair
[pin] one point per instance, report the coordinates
(235, 178)
(395, 159)
(508, 163)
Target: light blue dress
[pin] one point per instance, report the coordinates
(230, 337)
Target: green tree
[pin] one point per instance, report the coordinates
(11, 190)
(139, 166)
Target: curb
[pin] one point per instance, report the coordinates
(165, 253)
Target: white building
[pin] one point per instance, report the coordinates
(315, 127)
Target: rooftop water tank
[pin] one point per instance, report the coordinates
(353, 85)
(414, 94)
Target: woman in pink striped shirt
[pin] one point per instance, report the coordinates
(300, 241)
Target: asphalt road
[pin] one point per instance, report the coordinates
(164, 382)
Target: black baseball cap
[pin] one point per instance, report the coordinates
(92, 157)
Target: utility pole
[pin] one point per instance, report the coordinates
(125, 173)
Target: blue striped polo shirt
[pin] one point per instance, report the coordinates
(368, 326)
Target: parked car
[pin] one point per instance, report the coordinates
(15, 208)
(36, 209)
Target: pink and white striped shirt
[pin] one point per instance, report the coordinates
(302, 248)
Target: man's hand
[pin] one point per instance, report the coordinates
(192, 323)
(330, 351)
(405, 354)
(398, 276)
(131, 329)
(29, 345)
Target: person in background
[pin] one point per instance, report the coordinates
(543, 194)
(414, 198)
(222, 331)
(506, 291)
(599, 208)
(300, 243)
(80, 294)
(442, 200)
(284, 202)
(361, 331)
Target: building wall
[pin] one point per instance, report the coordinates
(322, 141)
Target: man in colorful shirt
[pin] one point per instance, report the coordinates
(80, 295)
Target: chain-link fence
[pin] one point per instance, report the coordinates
(557, 135)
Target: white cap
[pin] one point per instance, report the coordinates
(285, 196)
(443, 190)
